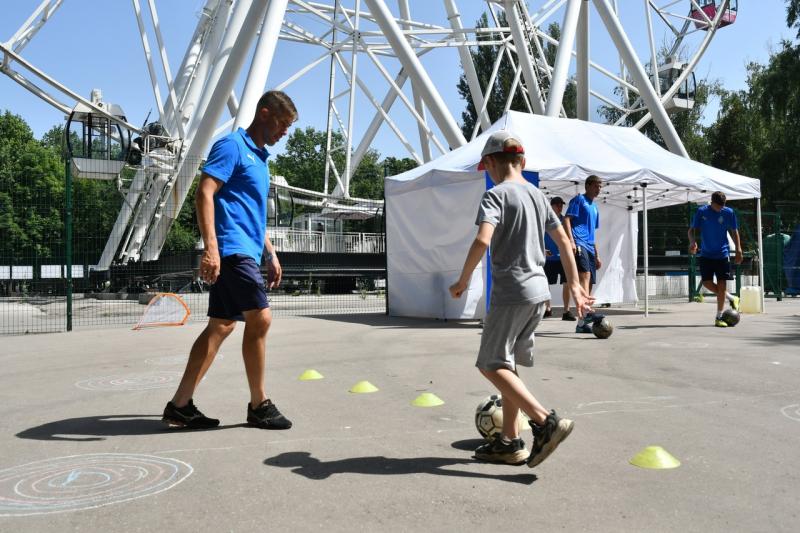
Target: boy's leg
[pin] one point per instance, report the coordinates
(512, 388)
(548, 429)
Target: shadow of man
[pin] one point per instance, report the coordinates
(304, 464)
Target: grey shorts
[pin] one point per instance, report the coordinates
(507, 339)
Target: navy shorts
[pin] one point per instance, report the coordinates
(554, 269)
(721, 268)
(585, 262)
(239, 287)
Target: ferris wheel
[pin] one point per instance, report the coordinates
(380, 66)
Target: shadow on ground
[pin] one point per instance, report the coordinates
(304, 464)
(94, 428)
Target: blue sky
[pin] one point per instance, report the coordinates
(95, 44)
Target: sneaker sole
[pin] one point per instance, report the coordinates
(516, 458)
(174, 423)
(266, 425)
(563, 431)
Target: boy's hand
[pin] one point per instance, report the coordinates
(583, 301)
(458, 288)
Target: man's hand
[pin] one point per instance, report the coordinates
(458, 288)
(274, 272)
(597, 263)
(547, 252)
(738, 258)
(209, 266)
(693, 248)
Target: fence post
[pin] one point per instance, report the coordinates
(68, 238)
(692, 277)
(779, 258)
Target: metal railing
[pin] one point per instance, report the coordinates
(292, 240)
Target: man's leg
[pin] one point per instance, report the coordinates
(201, 356)
(565, 296)
(718, 289)
(257, 323)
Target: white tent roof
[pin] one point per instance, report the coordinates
(565, 151)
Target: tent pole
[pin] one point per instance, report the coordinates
(646, 253)
(761, 252)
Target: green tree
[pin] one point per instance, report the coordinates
(303, 165)
(31, 195)
(483, 57)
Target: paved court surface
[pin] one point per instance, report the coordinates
(82, 448)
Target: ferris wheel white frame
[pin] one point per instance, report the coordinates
(192, 101)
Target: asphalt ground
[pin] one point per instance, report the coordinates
(82, 447)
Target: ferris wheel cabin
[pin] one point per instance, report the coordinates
(97, 144)
(668, 74)
(709, 9)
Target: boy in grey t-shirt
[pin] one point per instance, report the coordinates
(513, 217)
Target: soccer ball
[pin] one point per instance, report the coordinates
(731, 317)
(602, 328)
(489, 417)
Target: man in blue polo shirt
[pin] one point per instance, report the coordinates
(715, 222)
(580, 223)
(231, 203)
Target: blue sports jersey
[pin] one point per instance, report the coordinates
(714, 228)
(584, 219)
(240, 205)
(551, 246)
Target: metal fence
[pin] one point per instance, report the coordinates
(673, 272)
(324, 273)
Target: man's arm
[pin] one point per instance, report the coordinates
(738, 258)
(692, 241)
(567, 222)
(474, 256)
(582, 300)
(274, 269)
(204, 203)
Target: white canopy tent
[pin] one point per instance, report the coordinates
(431, 209)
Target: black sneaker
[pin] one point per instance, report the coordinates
(188, 417)
(497, 451)
(547, 437)
(548, 313)
(568, 316)
(267, 416)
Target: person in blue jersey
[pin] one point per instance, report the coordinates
(715, 222)
(231, 202)
(580, 222)
(513, 217)
(553, 268)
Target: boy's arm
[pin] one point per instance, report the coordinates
(474, 256)
(583, 301)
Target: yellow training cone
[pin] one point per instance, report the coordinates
(654, 457)
(427, 399)
(310, 374)
(363, 387)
